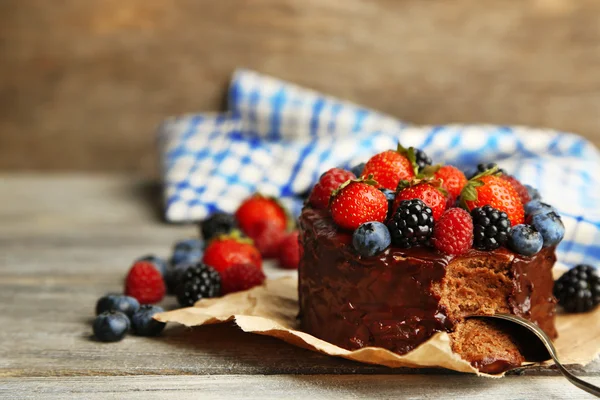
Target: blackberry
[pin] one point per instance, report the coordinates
(219, 223)
(578, 290)
(491, 228)
(484, 167)
(411, 224)
(198, 282)
(422, 158)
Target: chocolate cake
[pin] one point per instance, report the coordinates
(399, 298)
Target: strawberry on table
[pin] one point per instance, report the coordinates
(390, 167)
(356, 202)
(267, 236)
(225, 251)
(329, 181)
(426, 191)
(258, 208)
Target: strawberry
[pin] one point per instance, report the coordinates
(519, 188)
(329, 181)
(240, 277)
(258, 208)
(145, 283)
(225, 251)
(487, 188)
(453, 179)
(267, 235)
(289, 251)
(390, 167)
(356, 202)
(426, 191)
(453, 232)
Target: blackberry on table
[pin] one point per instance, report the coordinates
(219, 223)
(198, 282)
(422, 159)
(411, 224)
(484, 167)
(491, 228)
(578, 290)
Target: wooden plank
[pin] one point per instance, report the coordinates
(292, 386)
(90, 80)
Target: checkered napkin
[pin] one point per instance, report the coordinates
(277, 138)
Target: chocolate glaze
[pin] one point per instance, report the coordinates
(386, 301)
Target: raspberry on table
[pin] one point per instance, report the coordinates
(453, 232)
(241, 277)
(219, 223)
(145, 283)
(578, 290)
(411, 224)
(198, 282)
(329, 181)
(491, 228)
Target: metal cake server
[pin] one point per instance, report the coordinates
(545, 340)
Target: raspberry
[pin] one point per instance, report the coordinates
(519, 188)
(578, 290)
(267, 236)
(329, 181)
(411, 224)
(289, 251)
(491, 228)
(145, 283)
(198, 282)
(241, 277)
(453, 233)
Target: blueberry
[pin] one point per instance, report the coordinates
(534, 194)
(143, 324)
(537, 207)
(190, 250)
(371, 238)
(219, 223)
(174, 274)
(111, 326)
(117, 302)
(390, 195)
(358, 169)
(159, 263)
(524, 239)
(550, 226)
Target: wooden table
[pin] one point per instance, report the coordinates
(65, 240)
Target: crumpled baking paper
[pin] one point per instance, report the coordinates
(271, 310)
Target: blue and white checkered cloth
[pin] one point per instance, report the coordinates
(277, 138)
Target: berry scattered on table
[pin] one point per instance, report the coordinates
(519, 188)
(159, 263)
(491, 228)
(329, 181)
(219, 223)
(537, 207)
(143, 324)
(290, 251)
(453, 179)
(425, 191)
(550, 226)
(267, 235)
(422, 159)
(357, 202)
(357, 170)
(389, 168)
(241, 277)
(371, 238)
(525, 240)
(453, 232)
(188, 250)
(198, 282)
(578, 290)
(259, 208)
(485, 167)
(145, 283)
(534, 194)
(117, 302)
(226, 251)
(111, 326)
(174, 274)
(411, 224)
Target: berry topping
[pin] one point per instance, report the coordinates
(411, 224)
(550, 226)
(145, 283)
(390, 195)
(519, 188)
(358, 169)
(524, 239)
(198, 282)
(329, 181)
(267, 235)
(371, 238)
(357, 202)
(426, 191)
(389, 168)
(290, 251)
(225, 251)
(453, 179)
(217, 224)
(537, 207)
(453, 232)
(111, 326)
(259, 208)
(188, 250)
(578, 290)
(485, 167)
(117, 302)
(241, 277)
(487, 188)
(174, 274)
(143, 324)
(159, 263)
(422, 159)
(533, 193)
(491, 228)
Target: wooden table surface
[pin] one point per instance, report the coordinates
(65, 240)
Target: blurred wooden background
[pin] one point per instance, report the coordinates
(83, 83)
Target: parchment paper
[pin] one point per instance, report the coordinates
(271, 310)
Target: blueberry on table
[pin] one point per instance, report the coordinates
(216, 224)
(371, 238)
(159, 263)
(578, 290)
(111, 326)
(143, 324)
(524, 239)
(189, 250)
(550, 226)
(537, 207)
(117, 302)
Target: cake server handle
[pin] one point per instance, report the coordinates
(547, 342)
